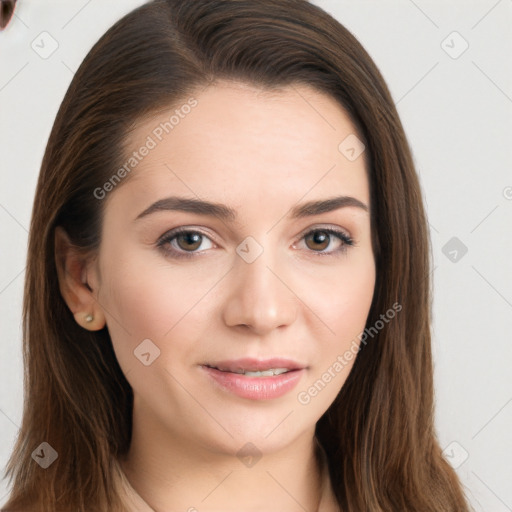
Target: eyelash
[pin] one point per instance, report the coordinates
(168, 237)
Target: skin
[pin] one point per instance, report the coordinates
(259, 153)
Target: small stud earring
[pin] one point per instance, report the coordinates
(89, 318)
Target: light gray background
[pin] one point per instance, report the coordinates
(457, 112)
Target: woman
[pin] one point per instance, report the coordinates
(227, 295)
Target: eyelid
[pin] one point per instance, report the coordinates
(327, 227)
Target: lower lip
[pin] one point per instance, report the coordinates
(256, 388)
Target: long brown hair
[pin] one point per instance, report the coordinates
(379, 433)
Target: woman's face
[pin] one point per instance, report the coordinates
(260, 277)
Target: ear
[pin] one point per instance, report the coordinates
(73, 269)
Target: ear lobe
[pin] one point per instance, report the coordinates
(72, 268)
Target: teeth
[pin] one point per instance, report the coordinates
(266, 373)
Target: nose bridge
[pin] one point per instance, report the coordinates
(258, 298)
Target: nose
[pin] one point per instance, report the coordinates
(260, 298)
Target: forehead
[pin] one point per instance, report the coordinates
(233, 139)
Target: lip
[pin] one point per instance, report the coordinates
(255, 388)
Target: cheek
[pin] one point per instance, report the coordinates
(342, 303)
(352, 303)
(148, 298)
(342, 300)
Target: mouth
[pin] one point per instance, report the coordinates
(256, 379)
(257, 367)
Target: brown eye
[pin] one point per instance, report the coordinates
(184, 243)
(6, 12)
(189, 241)
(318, 240)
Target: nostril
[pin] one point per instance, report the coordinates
(6, 12)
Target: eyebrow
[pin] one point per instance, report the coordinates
(224, 212)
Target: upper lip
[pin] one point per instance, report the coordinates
(255, 365)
